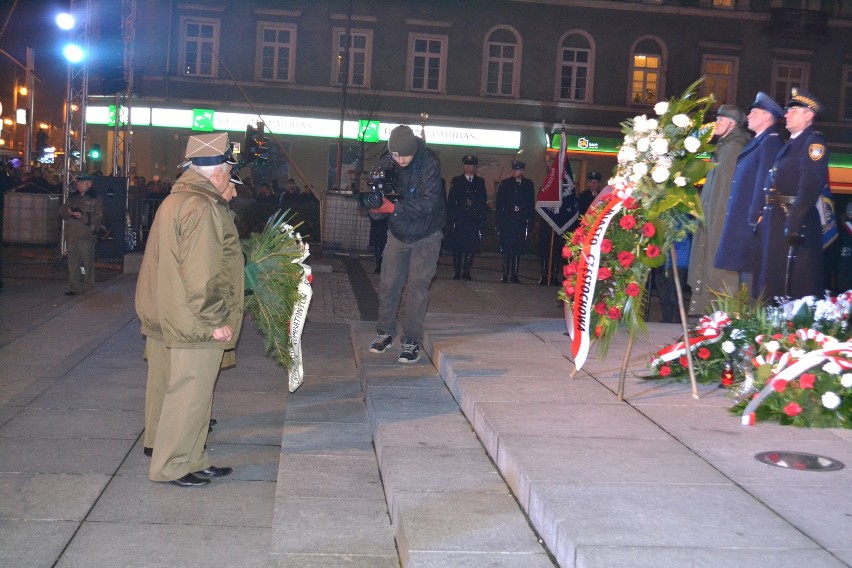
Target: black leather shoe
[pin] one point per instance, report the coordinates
(148, 451)
(71, 293)
(190, 480)
(213, 471)
(213, 422)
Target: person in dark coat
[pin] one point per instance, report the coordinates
(594, 184)
(789, 232)
(466, 207)
(738, 245)
(515, 216)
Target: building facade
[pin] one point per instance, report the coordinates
(494, 77)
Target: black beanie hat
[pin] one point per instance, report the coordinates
(402, 141)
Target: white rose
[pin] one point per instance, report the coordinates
(626, 154)
(660, 174)
(681, 120)
(660, 146)
(652, 124)
(661, 108)
(830, 400)
(692, 144)
(640, 169)
(640, 123)
(832, 368)
(643, 144)
(773, 346)
(728, 347)
(680, 181)
(846, 380)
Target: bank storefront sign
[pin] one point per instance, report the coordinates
(208, 120)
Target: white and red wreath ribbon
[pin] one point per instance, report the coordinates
(587, 277)
(709, 331)
(830, 350)
(296, 373)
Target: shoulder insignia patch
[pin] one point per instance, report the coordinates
(816, 151)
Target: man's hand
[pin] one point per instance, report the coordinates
(386, 207)
(224, 333)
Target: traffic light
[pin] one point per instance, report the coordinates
(95, 152)
(256, 145)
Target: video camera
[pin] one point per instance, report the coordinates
(380, 184)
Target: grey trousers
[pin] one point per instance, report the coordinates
(412, 265)
(81, 252)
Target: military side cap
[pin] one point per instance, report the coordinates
(731, 111)
(209, 149)
(470, 159)
(594, 175)
(765, 102)
(518, 165)
(802, 98)
(84, 177)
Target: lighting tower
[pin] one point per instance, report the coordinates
(77, 88)
(124, 99)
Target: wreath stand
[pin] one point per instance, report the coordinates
(625, 362)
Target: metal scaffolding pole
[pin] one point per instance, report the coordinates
(124, 99)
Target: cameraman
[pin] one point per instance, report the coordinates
(83, 212)
(415, 224)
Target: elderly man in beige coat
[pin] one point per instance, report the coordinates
(189, 299)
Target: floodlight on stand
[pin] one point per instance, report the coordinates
(73, 53)
(65, 21)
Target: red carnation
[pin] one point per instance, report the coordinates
(652, 251)
(632, 289)
(614, 313)
(779, 385)
(566, 253)
(569, 269)
(793, 409)
(625, 258)
(806, 381)
(600, 308)
(665, 371)
(630, 203)
(792, 338)
(684, 362)
(704, 353)
(569, 290)
(604, 273)
(606, 246)
(777, 336)
(627, 222)
(578, 237)
(648, 230)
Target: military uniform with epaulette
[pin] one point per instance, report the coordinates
(790, 232)
(466, 207)
(83, 212)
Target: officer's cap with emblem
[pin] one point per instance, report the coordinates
(765, 102)
(518, 165)
(594, 175)
(209, 150)
(470, 160)
(801, 98)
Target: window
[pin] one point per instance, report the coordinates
(847, 93)
(277, 52)
(786, 75)
(721, 78)
(575, 60)
(502, 62)
(427, 62)
(723, 3)
(646, 71)
(360, 57)
(200, 41)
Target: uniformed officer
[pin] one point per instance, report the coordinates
(515, 216)
(83, 212)
(189, 299)
(737, 244)
(789, 232)
(594, 184)
(466, 207)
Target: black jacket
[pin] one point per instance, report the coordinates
(419, 211)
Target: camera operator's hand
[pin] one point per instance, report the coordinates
(386, 207)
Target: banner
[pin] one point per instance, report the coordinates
(557, 202)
